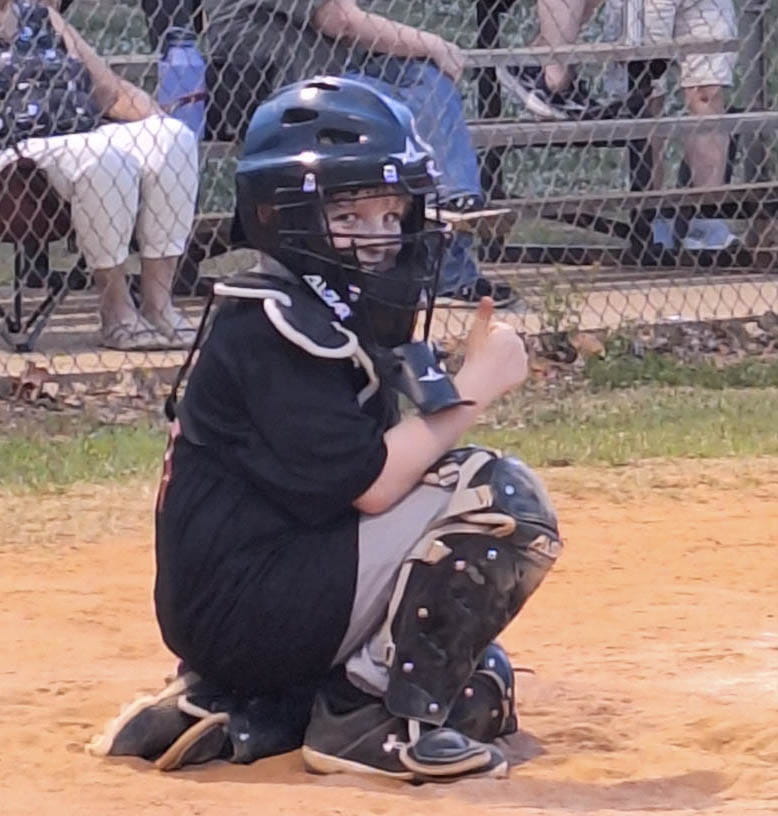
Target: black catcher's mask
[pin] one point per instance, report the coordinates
(326, 138)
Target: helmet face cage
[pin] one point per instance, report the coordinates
(388, 296)
(357, 142)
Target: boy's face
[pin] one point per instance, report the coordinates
(354, 218)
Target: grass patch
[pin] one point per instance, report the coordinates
(579, 428)
(663, 369)
(641, 423)
(40, 460)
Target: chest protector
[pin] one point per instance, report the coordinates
(43, 90)
(305, 312)
(311, 315)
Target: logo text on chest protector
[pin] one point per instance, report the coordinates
(329, 296)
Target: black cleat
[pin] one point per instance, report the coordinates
(206, 740)
(370, 740)
(147, 726)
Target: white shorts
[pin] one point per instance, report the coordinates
(121, 179)
(665, 20)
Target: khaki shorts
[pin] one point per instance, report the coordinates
(665, 20)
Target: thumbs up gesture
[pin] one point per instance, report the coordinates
(495, 358)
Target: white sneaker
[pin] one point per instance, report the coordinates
(664, 231)
(708, 233)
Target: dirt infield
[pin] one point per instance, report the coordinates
(654, 647)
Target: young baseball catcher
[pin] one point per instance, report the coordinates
(330, 572)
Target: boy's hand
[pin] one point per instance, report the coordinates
(495, 358)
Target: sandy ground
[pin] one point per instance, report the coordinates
(654, 647)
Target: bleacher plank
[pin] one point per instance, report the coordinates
(487, 223)
(138, 66)
(488, 133)
(515, 133)
(134, 67)
(597, 53)
(738, 195)
(728, 200)
(212, 151)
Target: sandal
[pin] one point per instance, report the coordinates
(174, 326)
(136, 335)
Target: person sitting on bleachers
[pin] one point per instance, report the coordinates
(555, 92)
(134, 176)
(256, 46)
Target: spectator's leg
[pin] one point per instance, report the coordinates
(704, 79)
(166, 151)
(659, 25)
(560, 23)
(706, 150)
(706, 154)
(553, 91)
(101, 185)
(436, 105)
(656, 106)
(156, 286)
(540, 39)
(663, 228)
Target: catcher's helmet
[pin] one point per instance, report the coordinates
(332, 135)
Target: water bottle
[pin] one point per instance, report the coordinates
(181, 91)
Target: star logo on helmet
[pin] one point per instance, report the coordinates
(410, 155)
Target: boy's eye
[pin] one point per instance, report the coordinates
(393, 218)
(345, 219)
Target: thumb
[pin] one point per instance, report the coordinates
(479, 330)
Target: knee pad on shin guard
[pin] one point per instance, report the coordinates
(472, 571)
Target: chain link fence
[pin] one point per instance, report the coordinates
(612, 170)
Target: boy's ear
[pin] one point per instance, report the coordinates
(267, 214)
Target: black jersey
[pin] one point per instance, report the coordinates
(256, 530)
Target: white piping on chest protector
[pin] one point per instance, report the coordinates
(247, 293)
(350, 348)
(362, 358)
(293, 335)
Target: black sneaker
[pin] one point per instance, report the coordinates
(573, 103)
(148, 726)
(469, 295)
(206, 740)
(463, 204)
(369, 740)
